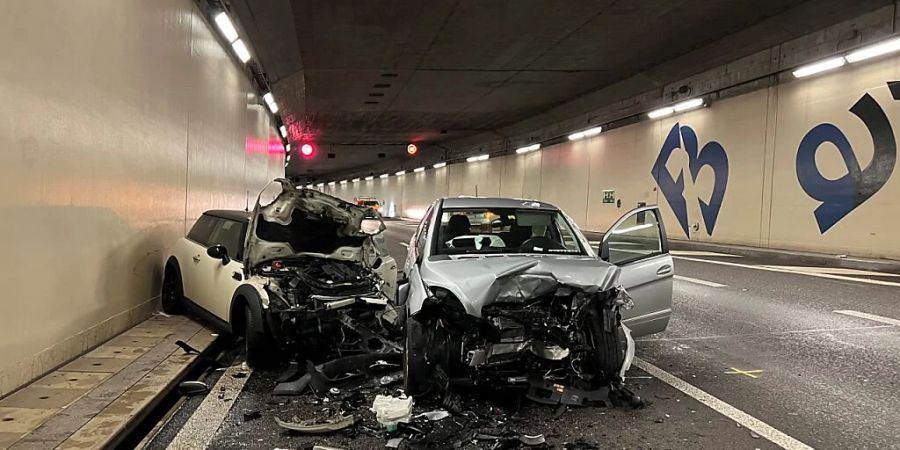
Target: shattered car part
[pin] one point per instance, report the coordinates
(391, 410)
(313, 426)
(433, 415)
(343, 371)
(326, 273)
(190, 388)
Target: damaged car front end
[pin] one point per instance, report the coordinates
(328, 280)
(549, 328)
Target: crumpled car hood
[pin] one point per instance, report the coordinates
(303, 222)
(481, 281)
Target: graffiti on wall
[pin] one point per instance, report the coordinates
(842, 195)
(712, 154)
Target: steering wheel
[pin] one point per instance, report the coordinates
(542, 243)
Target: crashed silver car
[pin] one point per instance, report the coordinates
(304, 271)
(509, 293)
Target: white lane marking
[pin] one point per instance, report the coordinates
(752, 423)
(703, 282)
(763, 333)
(882, 319)
(836, 271)
(775, 269)
(701, 253)
(404, 244)
(201, 427)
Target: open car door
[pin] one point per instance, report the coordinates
(637, 244)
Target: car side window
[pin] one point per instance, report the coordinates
(229, 234)
(202, 229)
(637, 237)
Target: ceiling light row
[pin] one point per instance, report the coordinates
(862, 54)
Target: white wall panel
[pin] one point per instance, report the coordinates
(120, 123)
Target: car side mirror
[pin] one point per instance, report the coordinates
(219, 252)
(603, 250)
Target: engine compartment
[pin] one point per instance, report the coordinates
(565, 346)
(317, 304)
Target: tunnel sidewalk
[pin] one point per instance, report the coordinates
(94, 400)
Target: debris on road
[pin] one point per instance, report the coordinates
(252, 415)
(389, 411)
(318, 426)
(191, 388)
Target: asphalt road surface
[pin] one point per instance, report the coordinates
(757, 355)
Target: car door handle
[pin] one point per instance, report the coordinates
(196, 259)
(664, 270)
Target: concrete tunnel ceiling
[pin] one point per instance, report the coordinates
(362, 79)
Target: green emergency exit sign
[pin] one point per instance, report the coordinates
(609, 196)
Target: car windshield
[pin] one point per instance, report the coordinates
(505, 230)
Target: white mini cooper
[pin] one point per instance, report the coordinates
(285, 275)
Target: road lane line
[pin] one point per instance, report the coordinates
(201, 427)
(703, 282)
(882, 319)
(404, 244)
(764, 333)
(752, 423)
(796, 272)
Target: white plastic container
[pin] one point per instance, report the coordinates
(389, 411)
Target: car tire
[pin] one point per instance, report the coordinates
(258, 344)
(172, 295)
(415, 366)
(610, 350)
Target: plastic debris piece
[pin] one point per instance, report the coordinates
(390, 379)
(252, 415)
(334, 391)
(391, 410)
(295, 387)
(315, 426)
(434, 415)
(291, 373)
(394, 443)
(190, 388)
(532, 440)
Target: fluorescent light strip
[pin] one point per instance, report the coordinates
(287, 148)
(241, 50)
(819, 67)
(369, 178)
(419, 169)
(383, 176)
(226, 27)
(688, 104)
(270, 100)
(355, 180)
(661, 112)
(439, 165)
(321, 185)
(483, 157)
(585, 133)
(528, 148)
(343, 181)
(871, 51)
(283, 130)
(400, 173)
(331, 183)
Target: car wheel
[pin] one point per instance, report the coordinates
(172, 295)
(257, 342)
(610, 350)
(415, 368)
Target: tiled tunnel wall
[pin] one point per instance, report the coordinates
(836, 197)
(120, 122)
